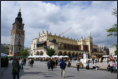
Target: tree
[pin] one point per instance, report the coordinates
(113, 29)
(24, 52)
(50, 51)
(115, 52)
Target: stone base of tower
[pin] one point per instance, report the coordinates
(11, 54)
(15, 54)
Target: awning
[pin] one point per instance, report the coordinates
(105, 56)
(80, 57)
(93, 56)
(42, 42)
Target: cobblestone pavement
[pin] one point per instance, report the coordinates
(40, 71)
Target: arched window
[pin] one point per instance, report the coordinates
(19, 42)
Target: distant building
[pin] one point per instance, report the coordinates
(104, 49)
(5, 48)
(111, 50)
(63, 45)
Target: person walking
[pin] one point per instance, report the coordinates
(28, 62)
(32, 62)
(56, 62)
(48, 64)
(20, 61)
(63, 66)
(24, 61)
(78, 63)
(15, 70)
(52, 64)
(69, 63)
(59, 61)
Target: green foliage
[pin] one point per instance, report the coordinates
(113, 30)
(50, 51)
(115, 52)
(24, 52)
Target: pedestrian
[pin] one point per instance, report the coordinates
(48, 64)
(93, 60)
(15, 70)
(63, 66)
(28, 62)
(108, 67)
(24, 61)
(114, 65)
(56, 62)
(52, 64)
(20, 61)
(69, 63)
(87, 67)
(94, 66)
(32, 62)
(78, 63)
(59, 61)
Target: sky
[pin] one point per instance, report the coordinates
(84, 17)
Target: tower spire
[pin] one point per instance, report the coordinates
(20, 10)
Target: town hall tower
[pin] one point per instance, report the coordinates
(17, 36)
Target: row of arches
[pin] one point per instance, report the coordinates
(39, 53)
(70, 54)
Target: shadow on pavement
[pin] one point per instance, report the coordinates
(45, 74)
(69, 76)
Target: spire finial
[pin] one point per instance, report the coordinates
(20, 10)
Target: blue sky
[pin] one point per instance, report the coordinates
(84, 17)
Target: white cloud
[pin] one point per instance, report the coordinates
(92, 18)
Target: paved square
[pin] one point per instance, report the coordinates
(40, 71)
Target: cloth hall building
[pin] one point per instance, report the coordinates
(63, 45)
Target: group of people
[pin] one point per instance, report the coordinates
(18, 64)
(52, 63)
(30, 62)
(111, 67)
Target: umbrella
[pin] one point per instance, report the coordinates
(105, 56)
(66, 56)
(46, 56)
(3, 54)
(61, 56)
(55, 56)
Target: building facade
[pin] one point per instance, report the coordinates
(111, 50)
(17, 36)
(63, 45)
